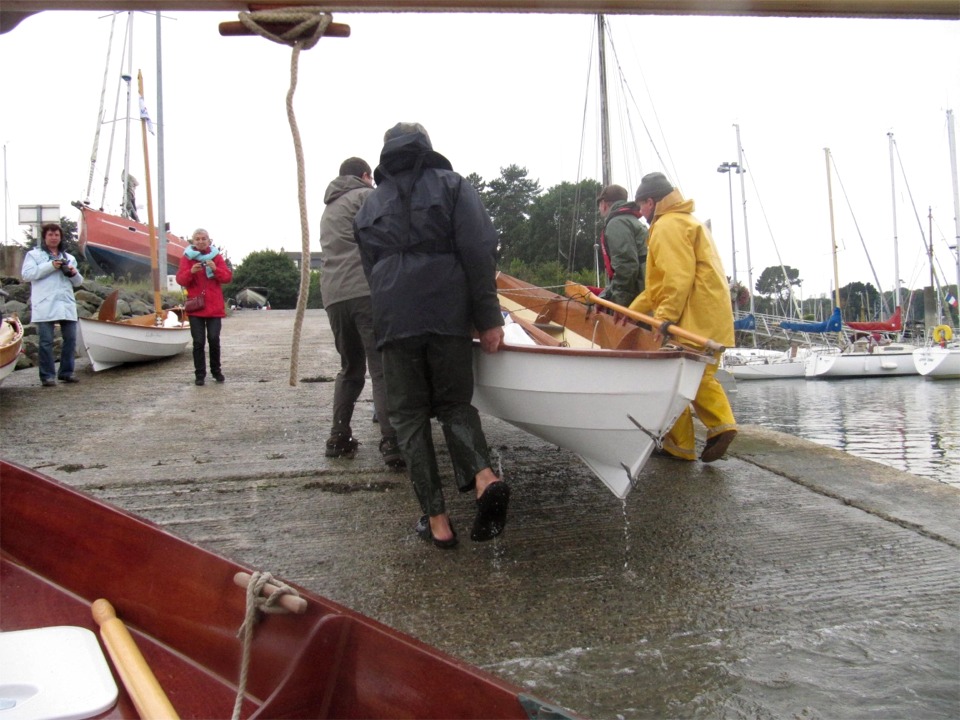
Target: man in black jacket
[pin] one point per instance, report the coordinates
(429, 253)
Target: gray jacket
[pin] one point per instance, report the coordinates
(342, 272)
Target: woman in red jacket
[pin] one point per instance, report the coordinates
(203, 272)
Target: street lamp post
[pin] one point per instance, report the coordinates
(729, 168)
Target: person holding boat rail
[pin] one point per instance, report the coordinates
(429, 252)
(204, 272)
(346, 299)
(686, 286)
(52, 274)
(623, 242)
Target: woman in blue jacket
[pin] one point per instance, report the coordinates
(53, 274)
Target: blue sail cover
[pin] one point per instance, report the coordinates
(832, 324)
(747, 322)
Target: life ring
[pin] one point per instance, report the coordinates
(942, 334)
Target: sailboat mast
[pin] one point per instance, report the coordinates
(151, 228)
(161, 198)
(833, 234)
(893, 204)
(951, 137)
(128, 78)
(604, 111)
(746, 236)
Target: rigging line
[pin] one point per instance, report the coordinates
(103, 93)
(906, 182)
(116, 112)
(863, 242)
(776, 249)
(653, 108)
(575, 210)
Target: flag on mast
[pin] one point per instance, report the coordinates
(144, 115)
(951, 300)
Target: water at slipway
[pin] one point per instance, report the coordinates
(910, 423)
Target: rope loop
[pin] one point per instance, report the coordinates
(304, 17)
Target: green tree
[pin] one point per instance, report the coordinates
(508, 200)
(563, 228)
(860, 302)
(775, 283)
(270, 269)
(478, 182)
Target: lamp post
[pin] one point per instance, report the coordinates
(729, 168)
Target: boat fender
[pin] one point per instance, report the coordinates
(942, 333)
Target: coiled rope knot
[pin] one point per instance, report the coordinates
(310, 24)
(256, 603)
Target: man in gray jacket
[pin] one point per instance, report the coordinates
(346, 298)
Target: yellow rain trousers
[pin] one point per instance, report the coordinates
(686, 285)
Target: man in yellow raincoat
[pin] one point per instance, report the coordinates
(686, 286)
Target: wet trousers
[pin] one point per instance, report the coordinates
(352, 324)
(432, 375)
(205, 330)
(45, 332)
(712, 408)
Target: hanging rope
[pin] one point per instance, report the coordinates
(256, 603)
(309, 23)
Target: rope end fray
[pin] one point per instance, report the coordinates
(287, 26)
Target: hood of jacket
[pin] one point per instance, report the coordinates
(403, 153)
(674, 202)
(340, 186)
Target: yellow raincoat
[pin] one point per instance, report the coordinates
(686, 285)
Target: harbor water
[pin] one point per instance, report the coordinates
(909, 423)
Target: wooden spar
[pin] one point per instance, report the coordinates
(13, 11)
(154, 260)
(141, 684)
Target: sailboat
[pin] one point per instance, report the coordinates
(163, 334)
(119, 244)
(865, 357)
(940, 356)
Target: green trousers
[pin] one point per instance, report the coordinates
(432, 376)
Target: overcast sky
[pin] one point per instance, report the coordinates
(495, 90)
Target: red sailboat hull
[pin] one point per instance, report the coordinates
(120, 246)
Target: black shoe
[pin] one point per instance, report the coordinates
(341, 445)
(390, 452)
(69, 379)
(423, 530)
(219, 377)
(717, 446)
(491, 512)
(198, 381)
(49, 382)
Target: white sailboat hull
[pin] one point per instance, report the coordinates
(937, 362)
(762, 370)
(608, 407)
(109, 344)
(882, 362)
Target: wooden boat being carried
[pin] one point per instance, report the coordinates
(61, 550)
(109, 342)
(578, 378)
(11, 341)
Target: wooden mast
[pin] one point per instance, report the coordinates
(154, 264)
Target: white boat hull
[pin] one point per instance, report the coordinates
(608, 407)
(759, 370)
(109, 344)
(937, 362)
(883, 362)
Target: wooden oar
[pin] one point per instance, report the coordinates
(141, 684)
(576, 290)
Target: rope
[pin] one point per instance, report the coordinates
(314, 21)
(256, 602)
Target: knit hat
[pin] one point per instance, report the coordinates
(612, 194)
(406, 128)
(655, 185)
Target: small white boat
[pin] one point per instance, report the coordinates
(557, 381)
(778, 368)
(11, 341)
(937, 362)
(109, 343)
(883, 361)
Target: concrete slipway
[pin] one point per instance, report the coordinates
(788, 581)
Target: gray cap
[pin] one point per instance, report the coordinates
(405, 128)
(655, 185)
